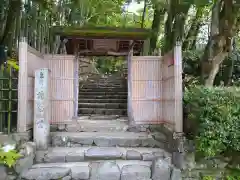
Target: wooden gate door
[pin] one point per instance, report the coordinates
(63, 92)
(146, 89)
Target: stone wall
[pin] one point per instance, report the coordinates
(201, 168)
(203, 174)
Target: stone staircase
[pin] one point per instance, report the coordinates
(103, 95)
(102, 146)
(89, 149)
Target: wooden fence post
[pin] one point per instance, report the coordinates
(178, 88)
(178, 136)
(22, 87)
(76, 85)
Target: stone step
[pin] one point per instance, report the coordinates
(113, 80)
(103, 105)
(103, 86)
(112, 96)
(103, 101)
(97, 125)
(107, 81)
(160, 169)
(107, 84)
(102, 111)
(102, 139)
(80, 154)
(106, 78)
(98, 170)
(102, 93)
(103, 89)
(103, 117)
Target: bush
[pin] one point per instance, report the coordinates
(215, 113)
(8, 155)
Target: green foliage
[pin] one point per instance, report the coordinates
(216, 115)
(191, 62)
(109, 65)
(227, 178)
(11, 63)
(229, 69)
(207, 178)
(232, 178)
(9, 158)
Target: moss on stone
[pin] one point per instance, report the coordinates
(105, 32)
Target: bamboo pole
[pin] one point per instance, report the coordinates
(9, 101)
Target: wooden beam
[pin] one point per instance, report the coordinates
(107, 53)
(84, 61)
(100, 37)
(117, 53)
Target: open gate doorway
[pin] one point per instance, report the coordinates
(102, 86)
(108, 42)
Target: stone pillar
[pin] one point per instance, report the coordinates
(41, 109)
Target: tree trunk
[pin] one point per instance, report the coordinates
(220, 42)
(144, 13)
(215, 68)
(18, 28)
(174, 26)
(230, 72)
(14, 7)
(3, 16)
(157, 19)
(168, 38)
(190, 41)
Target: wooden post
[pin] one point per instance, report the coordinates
(41, 109)
(76, 85)
(22, 86)
(129, 61)
(57, 44)
(178, 88)
(10, 101)
(178, 136)
(146, 47)
(76, 78)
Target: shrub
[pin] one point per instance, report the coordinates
(215, 113)
(8, 155)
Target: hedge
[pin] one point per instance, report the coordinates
(214, 115)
